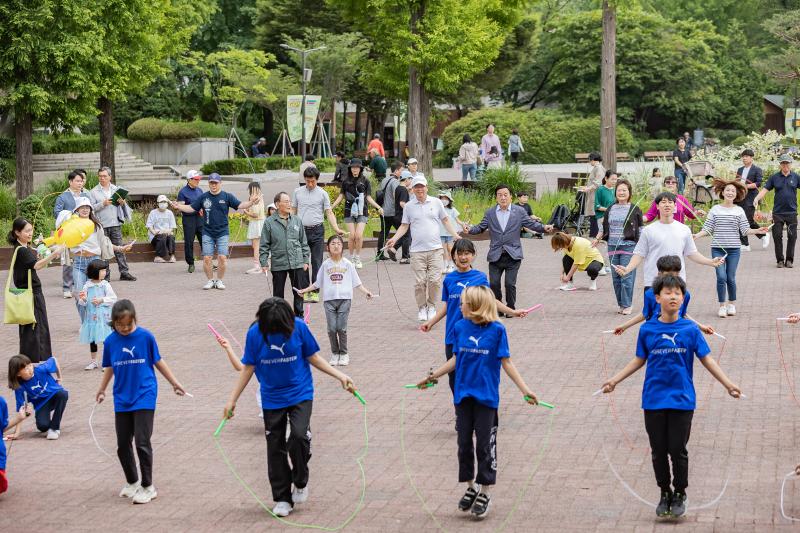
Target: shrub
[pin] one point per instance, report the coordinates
(724, 136)
(67, 144)
(8, 171)
(8, 202)
(8, 147)
(511, 175)
(656, 145)
(547, 136)
(257, 165)
(146, 129)
(180, 130)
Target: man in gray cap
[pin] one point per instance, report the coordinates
(784, 211)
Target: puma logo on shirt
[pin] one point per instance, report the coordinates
(129, 351)
(671, 339)
(462, 285)
(277, 348)
(473, 339)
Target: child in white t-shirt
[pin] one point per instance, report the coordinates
(447, 239)
(336, 279)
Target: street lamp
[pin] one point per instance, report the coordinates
(306, 78)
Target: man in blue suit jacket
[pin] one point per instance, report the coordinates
(752, 176)
(505, 222)
(66, 202)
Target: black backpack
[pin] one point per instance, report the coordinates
(382, 193)
(559, 217)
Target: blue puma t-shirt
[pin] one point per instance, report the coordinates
(670, 349)
(132, 358)
(479, 351)
(452, 286)
(41, 387)
(281, 365)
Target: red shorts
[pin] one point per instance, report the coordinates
(3, 482)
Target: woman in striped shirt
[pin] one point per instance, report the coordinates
(726, 222)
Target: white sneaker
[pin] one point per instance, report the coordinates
(334, 360)
(67, 294)
(159, 260)
(568, 286)
(358, 264)
(723, 312)
(730, 309)
(91, 366)
(300, 495)
(431, 312)
(145, 494)
(129, 490)
(422, 316)
(603, 272)
(171, 259)
(745, 247)
(209, 285)
(219, 285)
(344, 359)
(765, 241)
(593, 285)
(52, 434)
(282, 509)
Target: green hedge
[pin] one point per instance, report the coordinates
(547, 136)
(257, 165)
(656, 145)
(52, 144)
(8, 171)
(724, 136)
(153, 129)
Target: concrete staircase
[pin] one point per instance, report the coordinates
(128, 167)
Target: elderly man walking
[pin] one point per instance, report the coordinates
(283, 243)
(505, 222)
(111, 215)
(422, 215)
(784, 212)
(312, 204)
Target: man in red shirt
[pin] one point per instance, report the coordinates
(376, 144)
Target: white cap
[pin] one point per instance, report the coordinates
(162, 198)
(419, 180)
(192, 174)
(412, 160)
(80, 202)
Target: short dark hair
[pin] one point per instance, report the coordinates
(594, 156)
(340, 153)
(523, 193)
(74, 174)
(276, 200)
(81, 171)
(396, 165)
(666, 194)
(275, 315)
(656, 170)
(94, 268)
(15, 364)
(311, 172)
(502, 186)
(668, 282)
(669, 263)
(466, 138)
(462, 245)
(309, 157)
(747, 151)
(679, 140)
(609, 173)
(120, 310)
(334, 237)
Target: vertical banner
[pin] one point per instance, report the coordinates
(792, 122)
(294, 115)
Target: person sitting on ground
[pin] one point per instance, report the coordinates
(161, 231)
(579, 254)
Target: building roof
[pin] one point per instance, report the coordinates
(774, 99)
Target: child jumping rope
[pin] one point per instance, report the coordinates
(5, 424)
(36, 384)
(480, 349)
(280, 350)
(129, 355)
(336, 279)
(98, 297)
(668, 346)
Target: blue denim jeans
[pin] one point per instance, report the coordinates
(726, 273)
(623, 286)
(681, 175)
(79, 265)
(468, 171)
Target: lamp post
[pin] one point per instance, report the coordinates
(306, 78)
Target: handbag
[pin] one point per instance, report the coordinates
(18, 302)
(106, 246)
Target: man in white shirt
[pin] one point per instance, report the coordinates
(422, 214)
(110, 214)
(665, 237)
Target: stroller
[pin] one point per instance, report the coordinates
(565, 219)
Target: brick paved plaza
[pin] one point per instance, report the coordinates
(69, 485)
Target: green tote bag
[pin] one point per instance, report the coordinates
(18, 302)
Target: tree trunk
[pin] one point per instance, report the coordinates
(418, 132)
(376, 125)
(344, 126)
(357, 129)
(269, 123)
(23, 130)
(106, 120)
(608, 87)
(332, 129)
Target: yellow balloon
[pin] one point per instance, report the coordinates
(71, 232)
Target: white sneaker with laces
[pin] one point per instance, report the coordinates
(145, 494)
(746, 248)
(91, 366)
(344, 359)
(431, 312)
(67, 295)
(171, 259)
(129, 490)
(765, 241)
(723, 312)
(568, 286)
(334, 360)
(159, 259)
(422, 316)
(300, 495)
(52, 434)
(282, 509)
(730, 309)
(219, 285)
(358, 264)
(593, 285)
(209, 285)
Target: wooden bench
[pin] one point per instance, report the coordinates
(655, 156)
(584, 158)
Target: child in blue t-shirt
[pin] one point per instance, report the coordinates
(480, 347)
(35, 384)
(668, 265)
(462, 253)
(668, 346)
(280, 350)
(129, 355)
(5, 424)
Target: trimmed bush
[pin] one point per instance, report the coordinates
(180, 130)
(511, 175)
(153, 129)
(724, 136)
(8, 171)
(8, 147)
(257, 165)
(656, 145)
(66, 144)
(146, 129)
(547, 136)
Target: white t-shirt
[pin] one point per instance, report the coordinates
(423, 221)
(159, 220)
(336, 281)
(659, 239)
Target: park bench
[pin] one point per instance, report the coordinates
(584, 158)
(655, 156)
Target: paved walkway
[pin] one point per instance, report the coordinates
(565, 480)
